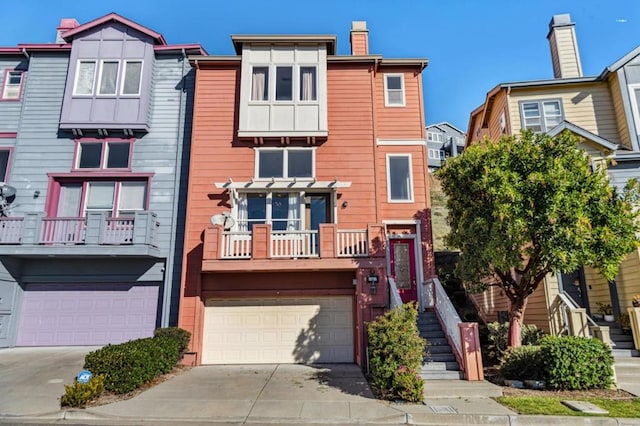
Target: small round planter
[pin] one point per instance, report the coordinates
(609, 318)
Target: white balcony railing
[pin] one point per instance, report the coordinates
(69, 230)
(352, 243)
(11, 230)
(448, 315)
(236, 245)
(294, 244)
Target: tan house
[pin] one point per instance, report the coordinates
(603, 111)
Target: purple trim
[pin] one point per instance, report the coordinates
(81, 174)
(8, 135)
(43, 47)
(7, 71)
(68, 35)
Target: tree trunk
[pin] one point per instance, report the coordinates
(516, 316)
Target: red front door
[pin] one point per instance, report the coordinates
(403, 268)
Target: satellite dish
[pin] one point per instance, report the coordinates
(7, 195)
(225, 220)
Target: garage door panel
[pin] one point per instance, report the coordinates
(278, 330)
(90, 314)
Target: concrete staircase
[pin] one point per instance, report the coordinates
(441, 363)
(622, 344)
(626, 359)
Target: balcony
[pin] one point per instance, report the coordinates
(35, 235)
(264, 249)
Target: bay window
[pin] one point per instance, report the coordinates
(114, 77)
(117, 198)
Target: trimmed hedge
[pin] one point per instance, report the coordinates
(564, 363)
(180, 335)
(396, 351)
(498, 337)
(79, 394)
(129, 365)
(576, 363)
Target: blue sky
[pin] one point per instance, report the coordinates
(472, 45)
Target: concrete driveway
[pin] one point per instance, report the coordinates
(32, 379)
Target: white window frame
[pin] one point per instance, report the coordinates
(294, 86)
(634, 104)
(543, 118)
(98, 83)
(411, 190)
(268, 195)
(285, 163)
(267, 83)
(124, 75)
(6, 85)
(434, 153)
(298, 69)
(402, 90)
(95, 72)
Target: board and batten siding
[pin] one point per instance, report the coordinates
(10, 109)
(587, 106)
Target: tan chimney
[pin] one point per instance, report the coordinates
(564, 47)
(66, 24)
(359, 38)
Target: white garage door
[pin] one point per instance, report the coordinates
(283, 330)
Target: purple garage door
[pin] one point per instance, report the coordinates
(86, 314)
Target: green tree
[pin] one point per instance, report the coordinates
(525, 206)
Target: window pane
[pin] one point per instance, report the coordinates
(531, 110)
(133, 196)
(118, 155)
(394, 82)
(84, 79)
(100, 196)
(395, 97)
(284, 84)
(4, 164)
(256, 209)
(300, 163)
(14, 78)
(69, 202)
(279, 211)
(551, 108)
(108, 78)
(90, 154)
(270, 164)
(308, 84)
(399, 178)
(132, 75)
(260, 84)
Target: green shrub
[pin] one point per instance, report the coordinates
(396, 351)
(129, 365)
(498, 338)
(182, 336)
(522, 363)
(79, 394)
(576, 363)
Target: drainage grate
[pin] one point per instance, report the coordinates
(443, 409)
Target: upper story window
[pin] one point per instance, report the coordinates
(100, 155)
(121, 197)
(108, 78)
(541, 116)
(285, 163)
(399, 178)
(284, 87)
(436, 154)
(5, 155)
(434, 137)
(12, 86)
(394, 90)
(634, 93)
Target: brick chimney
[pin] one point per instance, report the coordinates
(564, 47)
(359, 38)
(66, 24)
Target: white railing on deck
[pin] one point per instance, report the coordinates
(10, 230)
(352, 243)
(62, 230)
(428, 298)
(394, 294)
(118, 231)
(294, 244)
(448, 315)
(236, 245)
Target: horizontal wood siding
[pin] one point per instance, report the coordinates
(489, 303)
(565, 47)
(499, 107)
(618, 107)
(587, 106)
(10, 109)
(597, 288)
(399, 122)
(537, 311)
(628, 280)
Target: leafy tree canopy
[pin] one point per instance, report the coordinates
(524, 206)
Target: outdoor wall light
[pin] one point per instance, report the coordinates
(345, 204)
(373, 280)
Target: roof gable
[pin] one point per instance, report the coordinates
(113, 17)
(622, 61)
(602, 143)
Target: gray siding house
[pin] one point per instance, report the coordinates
(94, 142)
(443, 140)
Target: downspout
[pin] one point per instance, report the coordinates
(169, 266)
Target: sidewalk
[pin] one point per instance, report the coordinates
(278, 394)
